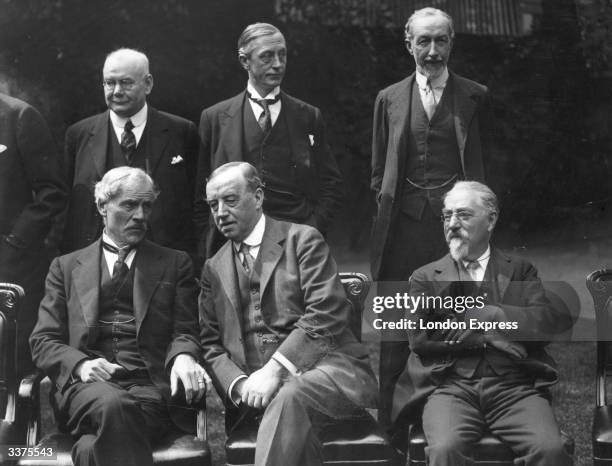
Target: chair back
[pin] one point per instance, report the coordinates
(599, 284)
(10, 300)
(356, 286)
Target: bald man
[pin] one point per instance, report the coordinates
(131, 133)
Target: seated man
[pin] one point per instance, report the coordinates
(274, 319)
(117, 331)
(466, 380)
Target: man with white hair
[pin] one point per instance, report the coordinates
(467, 381)
(429, 131)
(132, 133)
(117, 332)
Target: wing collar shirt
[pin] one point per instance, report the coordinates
(438, 85)
(139, 120)
(111, 257)
(275, 108)
(483, 262)
(253, 240)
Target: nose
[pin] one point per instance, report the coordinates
(221, 209)
(140, 214)
(454, 222)
(278, 61)
(433, 51)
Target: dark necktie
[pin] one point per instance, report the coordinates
(247, 259)
(429, 101)
(128, 142)
(265, 119)
(120, 268)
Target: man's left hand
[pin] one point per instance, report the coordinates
(192, 375)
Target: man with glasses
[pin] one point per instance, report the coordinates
(282, 136)
(489, 370)
(428, 133)
(132, 133)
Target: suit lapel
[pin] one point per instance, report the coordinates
(230, 121)
(224, 266)
(400, 113)
(97, 144)
(503, 270)
(86, 280)
(464, 108)
(158, 135)
(271, 251)
(147, 275)
(446, 273)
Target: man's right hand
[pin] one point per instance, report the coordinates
(95, 370)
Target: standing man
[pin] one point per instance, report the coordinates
(467, 381)
(275, 325)
(132, 133)
(117, 331)
(32, 195)
(280, 135)
(427, 134)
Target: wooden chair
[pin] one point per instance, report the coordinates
(599, 284)
(11, 429)
(355, 443)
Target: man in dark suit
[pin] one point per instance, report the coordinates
(32, 195)
(274, 319)
(280, 135)
(428, 133)
(117, 331)
(134, 134)
(467, 380)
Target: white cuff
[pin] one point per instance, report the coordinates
(235, 399)
(283, 361)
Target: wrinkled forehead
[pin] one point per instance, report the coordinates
(124, 66)
(139, 189)
(226, 183)
(274, 41)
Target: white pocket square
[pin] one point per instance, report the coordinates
(311, 139)
(176, 159)
(2, 148)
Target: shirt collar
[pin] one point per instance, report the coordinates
(439, 82)
(107, 239)
(251, 90)
(139, 118)
(256, 236)
(482, 260)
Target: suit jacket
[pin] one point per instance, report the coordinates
(32, 189)
(166, 136)
(316, 171)
(164, 308)
(299, 285)
(523, 300)
(392, 139)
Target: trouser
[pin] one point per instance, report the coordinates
(460, 411)
(412, 244)
(114, 422)
(288, 433)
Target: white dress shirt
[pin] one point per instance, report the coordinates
(483, 262)
(275, 108)
(139, 120)
(438, 85)
(111, 257)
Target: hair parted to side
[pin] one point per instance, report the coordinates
(113, 182)
(428, 11)
(250, 173)
(252, 32)
(487, 197)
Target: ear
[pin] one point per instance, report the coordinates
(408, 46)
(492, 221)
(259, 197)
(148, 79)
(102, 209)
(244, 60)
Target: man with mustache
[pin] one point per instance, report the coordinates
(428, 133)
(466, 382)
(283, 137)
(132, 133)
(117, 332)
